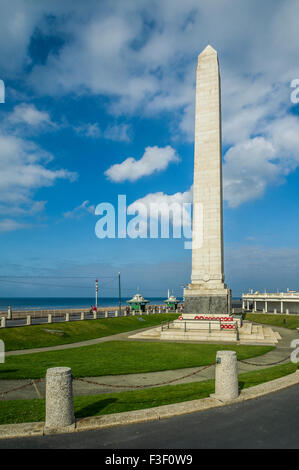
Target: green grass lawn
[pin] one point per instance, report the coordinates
(35, 336)
(291, 321)
(121, 357)
(22, 411)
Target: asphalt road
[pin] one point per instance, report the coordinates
(270, 422)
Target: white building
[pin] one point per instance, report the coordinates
(281, 302)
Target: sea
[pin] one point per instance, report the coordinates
(43, 303)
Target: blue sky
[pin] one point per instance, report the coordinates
(91, 84)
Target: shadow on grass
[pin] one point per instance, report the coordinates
(241, 385)
(94, 408)
(7, 371)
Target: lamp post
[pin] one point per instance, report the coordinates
(97, 289)
(119, 295)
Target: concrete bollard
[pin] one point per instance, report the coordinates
(106, 314)
(3, 322)
(275, 310)
(116, 313)
(28, 320)
(49, 317)
(82, 316)
(159, 309)
(95, 314)
(59, 398)
(226, 376)
(67, 317)
(287, 311)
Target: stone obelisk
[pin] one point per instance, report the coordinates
(207, 293)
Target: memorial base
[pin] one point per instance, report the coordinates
(208, 302)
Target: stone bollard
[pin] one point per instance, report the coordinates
(226, 376)
(287, 311)
(49, 317)
(67, 317)
(106, 314)
(159, 309)
(275, 310)
(59, 398)
(3, 322)
(95, 314)
(82, 316)
(28, 320)
(116, 313)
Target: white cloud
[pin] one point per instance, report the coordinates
(28, 208)
(147, 66)
(153, 160)
(120, 133)
(8, 225)
(23, 170)
(164, 203)
(161, 198)
(79, 211)
(29, 115)
(117, 132)
(248, 170)
(254, 164)
(89, 130)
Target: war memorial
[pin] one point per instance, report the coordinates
(207, 307)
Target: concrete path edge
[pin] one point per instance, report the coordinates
(149, 414)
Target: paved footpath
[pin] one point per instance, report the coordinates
(129, 381)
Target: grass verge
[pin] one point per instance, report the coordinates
(24, 411)
(121, 357)
(35, 336)
(285, 321)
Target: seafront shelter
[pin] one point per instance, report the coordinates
(138, 303)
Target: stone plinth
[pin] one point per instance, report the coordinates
(214, 302)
